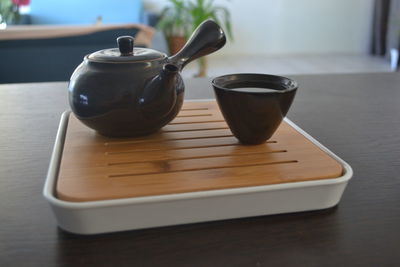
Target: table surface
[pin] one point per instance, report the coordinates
(354, 115)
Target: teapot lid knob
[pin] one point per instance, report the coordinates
(125, 45)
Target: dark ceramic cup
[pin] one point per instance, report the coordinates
(254, 105)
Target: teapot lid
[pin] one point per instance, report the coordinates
(126, 53)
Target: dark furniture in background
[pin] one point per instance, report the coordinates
(354, 115)
(52, 59)
(385, 37)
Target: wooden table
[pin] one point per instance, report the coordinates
(357, 116)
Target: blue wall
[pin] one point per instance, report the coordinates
(85, 11)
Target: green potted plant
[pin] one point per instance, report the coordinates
(201, 10)
(174, 24)
(184, 16)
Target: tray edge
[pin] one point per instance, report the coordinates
(76, 217)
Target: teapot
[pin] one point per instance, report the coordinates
(130, 91)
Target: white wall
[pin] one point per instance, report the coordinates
(273, 27)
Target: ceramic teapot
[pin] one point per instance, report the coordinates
(130, 91)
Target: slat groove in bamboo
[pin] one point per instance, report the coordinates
(197, 169)
(165, 140)
(197, 157)
(194, 115)
(191, 109)
(195, 130)
(195, 122)
(174, 148)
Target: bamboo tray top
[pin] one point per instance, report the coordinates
(195, 152)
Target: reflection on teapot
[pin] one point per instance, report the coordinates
(129, 91)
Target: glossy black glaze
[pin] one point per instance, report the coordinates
(126, 45)
(253, 117)
(132, 92)
(172, 88)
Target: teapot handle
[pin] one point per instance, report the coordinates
(206, 39)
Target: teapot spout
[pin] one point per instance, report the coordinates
(159, 97)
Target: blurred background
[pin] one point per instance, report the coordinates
(44, 40)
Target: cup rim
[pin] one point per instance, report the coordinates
(288, 84)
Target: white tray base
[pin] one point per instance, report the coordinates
(153, 211)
